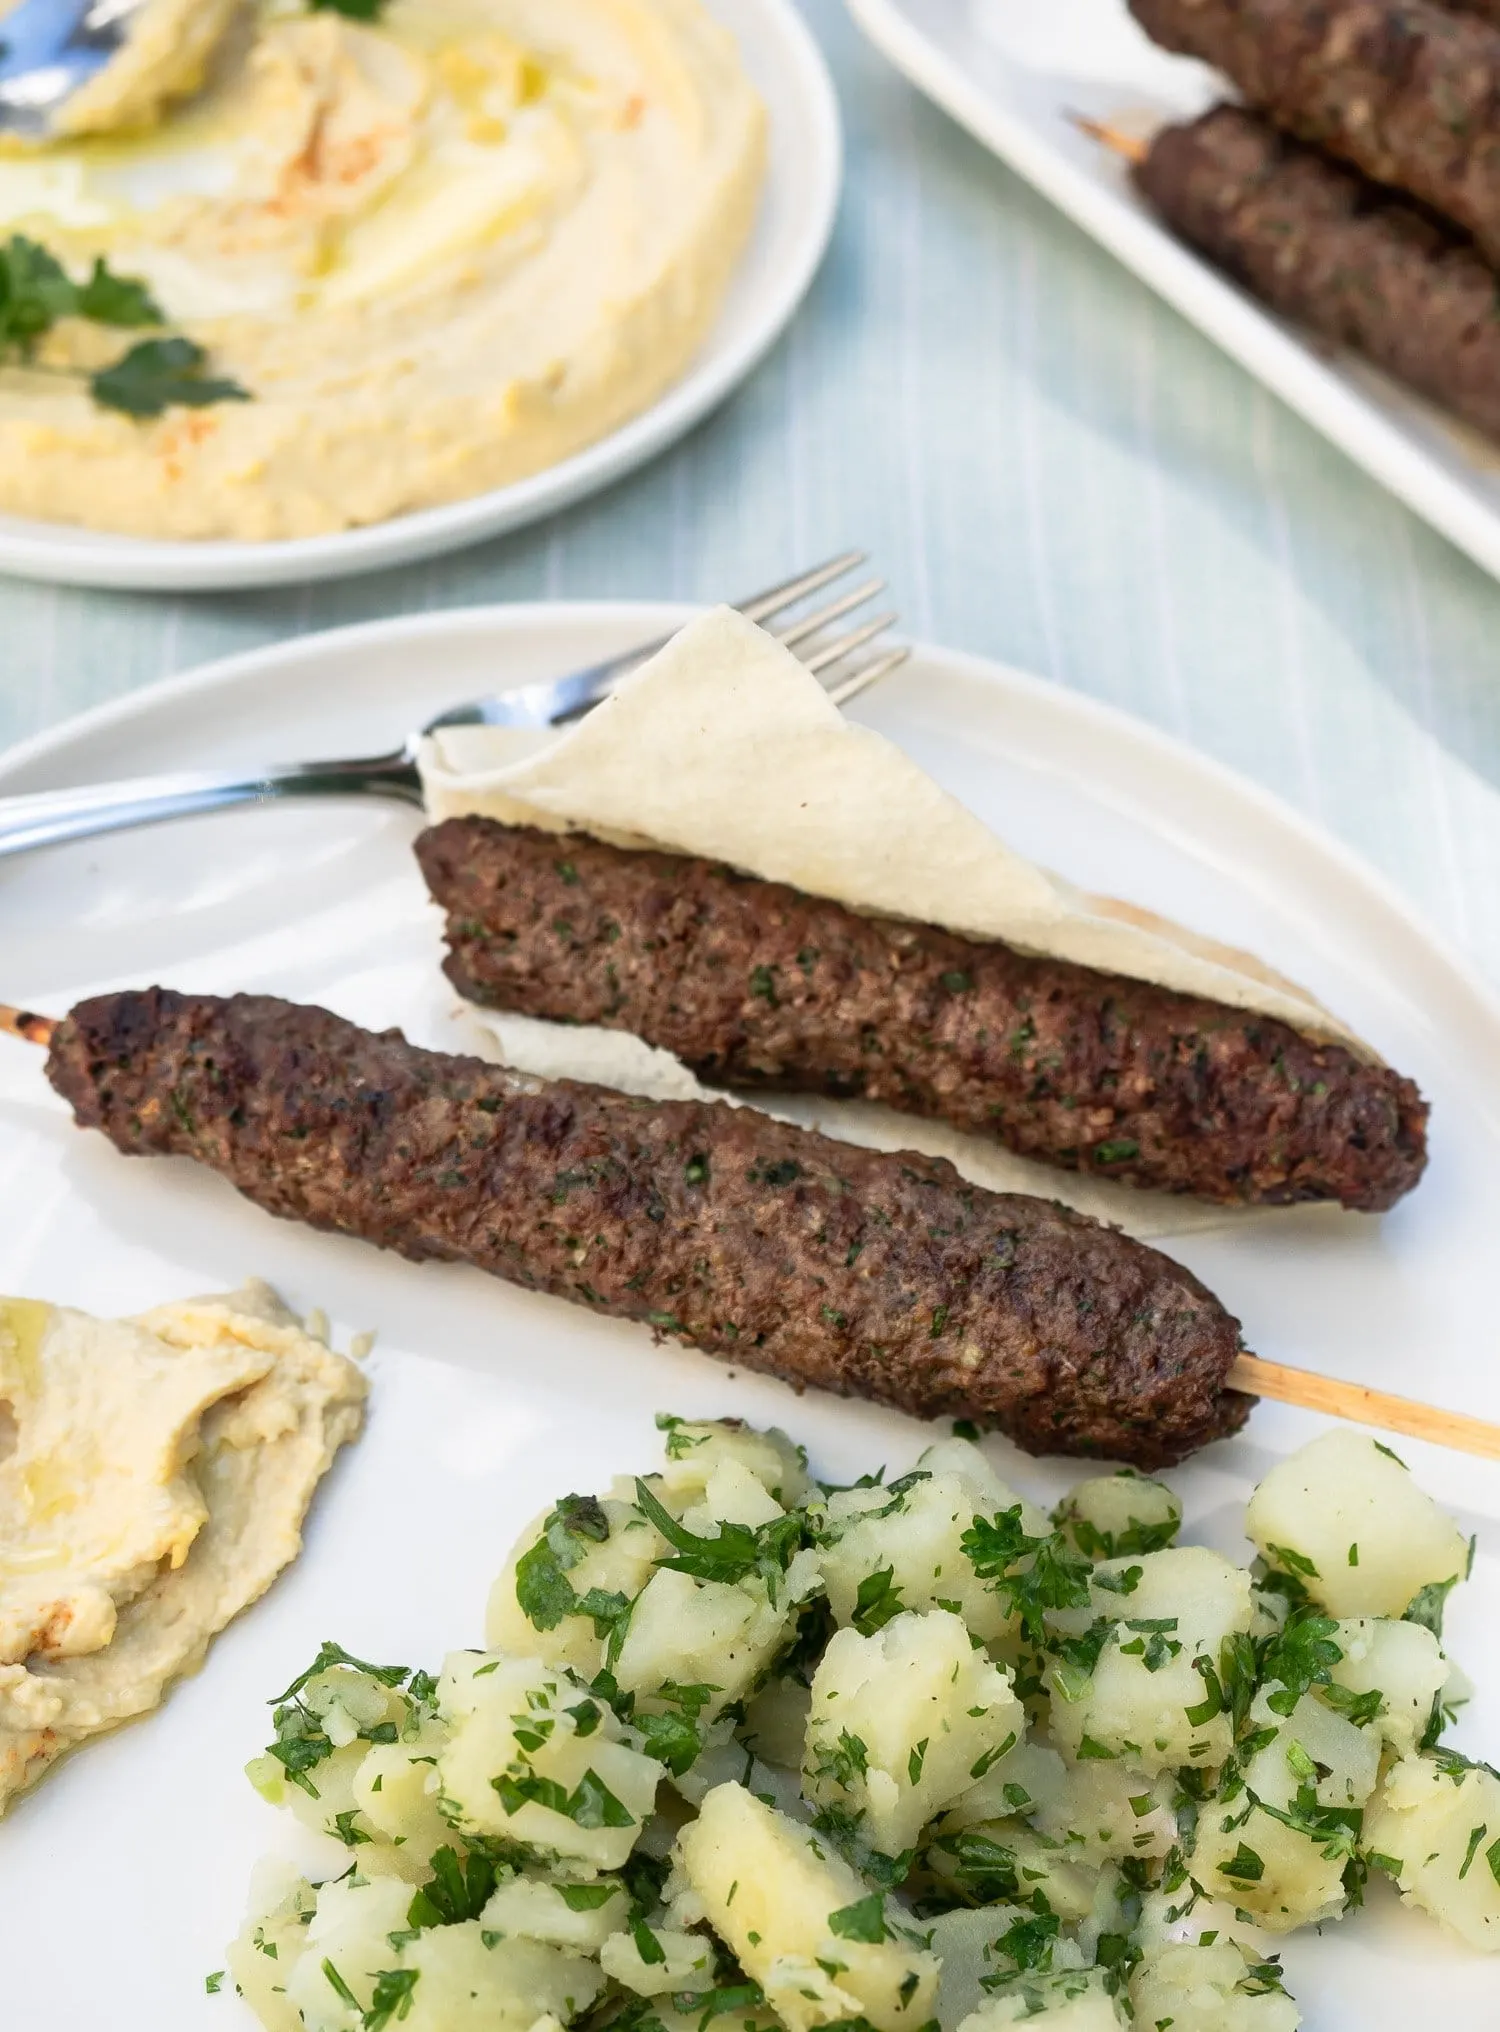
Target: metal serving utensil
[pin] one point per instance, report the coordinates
(848, 662)
(49, 49)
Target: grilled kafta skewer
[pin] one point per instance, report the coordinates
(1321, 245)
(755, 984)
(879, 1276)
(1407, 92)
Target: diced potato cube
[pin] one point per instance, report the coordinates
(702, 1633)
(1108, 1516)
(349, 1934)
(1439, 1824)
(962, 1941)
(1281, 1876)
(620, 1564)
(992, 1492)
(969, 1947)
(326, 1793)
(1027, 1780)
(686, 1962)
(785, 1903)
(904, 1721)
(1403, 1661)
(1194, 1988)
(1149, 1700)
(465, 1983)
(914, 1536)
(1363, 1538)
(395, 1788)
(696, 1451)
(731, 1495)
(267, 1949)
(1074, 2001)
(577, 1916)
(1313, 1747)
(1106, 1811)
(535, 1759)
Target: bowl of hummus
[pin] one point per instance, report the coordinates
(389, 267)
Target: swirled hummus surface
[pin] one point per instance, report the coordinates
(154, 1475)
(441, 251)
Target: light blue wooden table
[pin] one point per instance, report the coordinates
(1053, 468)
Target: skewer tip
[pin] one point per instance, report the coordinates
(1129, 146)
(27, 1025)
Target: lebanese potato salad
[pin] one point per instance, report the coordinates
(750, 1752)
(387, 254)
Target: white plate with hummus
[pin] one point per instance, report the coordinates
(1012, 72)
(452, 268)
(485, 1401)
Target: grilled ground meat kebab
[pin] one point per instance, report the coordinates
(1320, 244)
(879, 1276)
(754, 984)
(1407, 92)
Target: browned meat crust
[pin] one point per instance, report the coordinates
(754, 984)
(1320, 244)
(1407, 92)
(879, 1276)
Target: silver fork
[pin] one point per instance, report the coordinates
(847, 662)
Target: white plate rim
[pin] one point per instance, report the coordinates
(65, 554)
(1180, 772)
(1349, 419)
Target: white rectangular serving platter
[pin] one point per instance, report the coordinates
(1012, 71)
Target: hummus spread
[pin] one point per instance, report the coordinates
(154, 1475)
(442, 251)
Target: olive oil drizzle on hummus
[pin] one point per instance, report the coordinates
(444, 248)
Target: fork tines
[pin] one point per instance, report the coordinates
(835, 658)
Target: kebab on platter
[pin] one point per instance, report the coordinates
(1357, 192)
(1407, 92)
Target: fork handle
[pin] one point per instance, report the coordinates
(48, 817)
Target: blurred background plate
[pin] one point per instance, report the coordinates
(1011, 71)
(125, 1872)
(797, 213)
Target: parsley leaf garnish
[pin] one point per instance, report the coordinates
(391, 1998)
(1056, 1577)
(864, 1920)
(740, 1552)
(877, 1602)
(157, 373)
(455, 1891)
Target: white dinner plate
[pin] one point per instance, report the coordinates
(798, 207)
(1013, 70)
(124, 1873)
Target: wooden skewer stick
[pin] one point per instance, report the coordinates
(1127, 145)
(1363, 1406)
(26, 1024)
(1249, 1373)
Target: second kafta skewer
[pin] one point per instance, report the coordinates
(1407, 92)
(882, 1276)
(758, 985)
(1328, 249)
